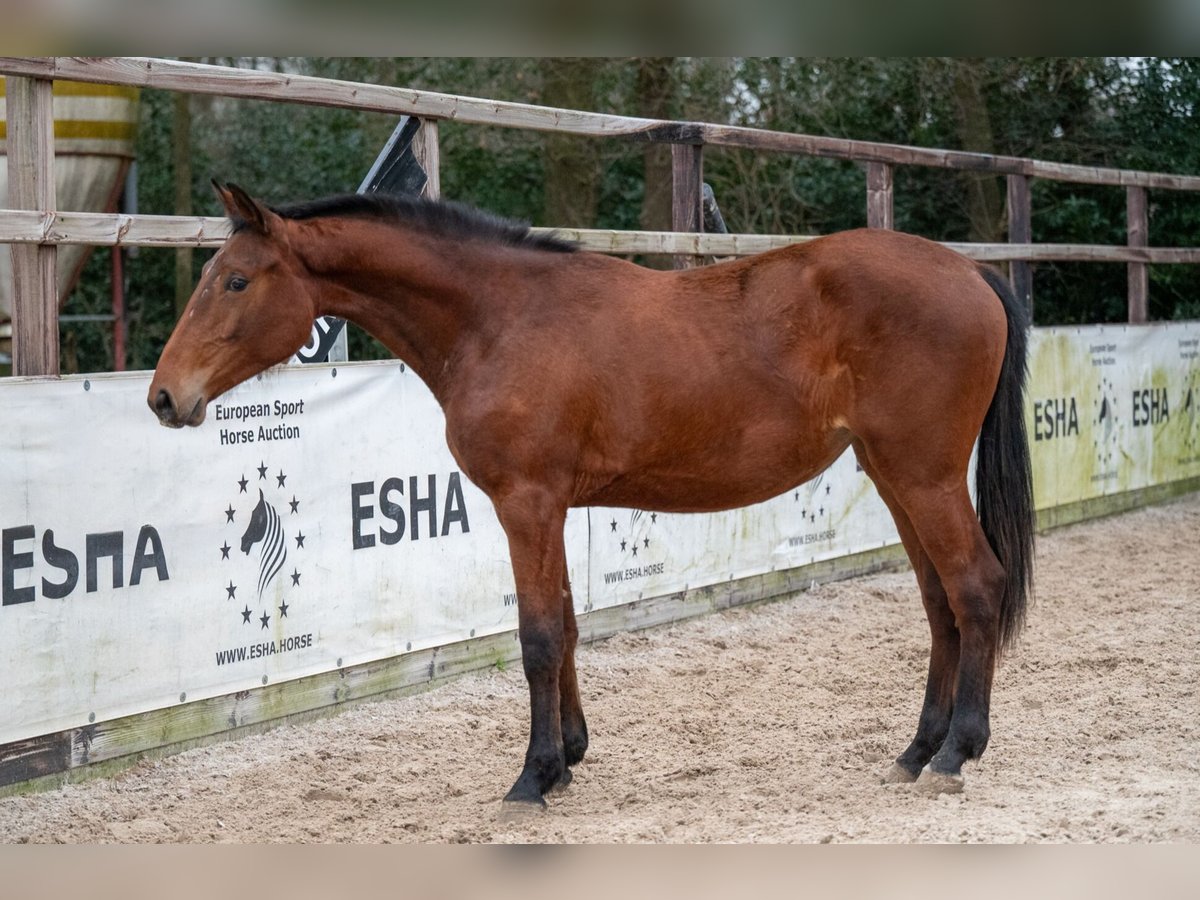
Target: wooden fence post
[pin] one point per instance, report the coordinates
(1137, 228)
(31, 186)
(428, 153)
(1020, 231)
(687, 179)
(879, 196)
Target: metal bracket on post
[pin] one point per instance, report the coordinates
(714, 222)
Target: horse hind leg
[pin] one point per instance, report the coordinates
(938, 705)
(973, 580)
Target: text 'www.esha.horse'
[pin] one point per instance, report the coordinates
(575, 379)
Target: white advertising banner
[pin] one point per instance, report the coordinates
(317, 520)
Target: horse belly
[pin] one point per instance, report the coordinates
(715, 477)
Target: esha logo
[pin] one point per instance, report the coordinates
(265, 528)
(1105, 432)
(261, 565)
(37, 563)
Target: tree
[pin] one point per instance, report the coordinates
(974, 130)
(572, 176)
(656, 93)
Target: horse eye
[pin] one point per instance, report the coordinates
(236, 283)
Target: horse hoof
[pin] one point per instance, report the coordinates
(562, 784)
(897, 774)
(934, 783)
(521, 810)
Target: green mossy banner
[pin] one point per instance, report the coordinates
(1112, 408)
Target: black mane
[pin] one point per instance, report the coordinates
(445, 218)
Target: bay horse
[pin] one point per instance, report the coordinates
(571, 378)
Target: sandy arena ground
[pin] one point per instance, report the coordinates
(771, 724)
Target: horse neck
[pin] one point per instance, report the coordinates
(416, 293)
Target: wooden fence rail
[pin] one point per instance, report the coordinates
(36, 227)
(198, 78)
(25, 227)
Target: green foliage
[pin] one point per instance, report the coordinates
(1095, 111)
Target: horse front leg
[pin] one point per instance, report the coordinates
(533, 522)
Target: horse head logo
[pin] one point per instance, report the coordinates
(265, 527)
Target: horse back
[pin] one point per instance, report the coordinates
(723, 385)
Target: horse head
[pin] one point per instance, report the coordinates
(257, 529)
(252, 309)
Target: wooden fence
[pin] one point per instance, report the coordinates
(35, 227)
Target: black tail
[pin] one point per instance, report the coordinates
(1003, 480)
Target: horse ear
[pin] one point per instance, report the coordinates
(240, 205)
(228, 200)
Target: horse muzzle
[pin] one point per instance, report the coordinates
(169, 412)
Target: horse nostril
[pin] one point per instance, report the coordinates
(164, 405)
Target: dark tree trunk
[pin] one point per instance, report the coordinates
(572, 163)
(974, 127)
(656, 87)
